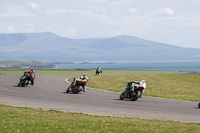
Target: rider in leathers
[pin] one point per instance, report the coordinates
(30, 76)
(83, 80)
(98, 71)
(137, 83)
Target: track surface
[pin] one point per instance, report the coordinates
(49, 93)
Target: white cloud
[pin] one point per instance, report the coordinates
(165, 12)
(33, 6)
(101, 1)
(197, 24)
(55, 11)
(15, 11)
(11, 29)
(132, 11)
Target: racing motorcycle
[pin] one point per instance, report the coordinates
(98, 71)
(134, 90)
(24, 81)
(76, 86)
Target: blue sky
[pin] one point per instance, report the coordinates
(175, 22)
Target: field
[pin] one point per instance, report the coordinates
(174, 85)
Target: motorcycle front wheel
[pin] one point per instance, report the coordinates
(135, 97)
(67, 90)
(121, 97)
(22, 84)
(199, 105)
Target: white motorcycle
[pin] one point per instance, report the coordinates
(134, 90)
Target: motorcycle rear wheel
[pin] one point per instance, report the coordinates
(135, 97)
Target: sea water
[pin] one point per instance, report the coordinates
(192, 66)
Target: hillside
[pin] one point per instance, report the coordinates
(50, 47)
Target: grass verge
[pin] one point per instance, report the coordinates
(174, 86)
(18, 119)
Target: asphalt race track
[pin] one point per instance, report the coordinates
(49, 93)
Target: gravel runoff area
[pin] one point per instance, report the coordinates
(49, 93)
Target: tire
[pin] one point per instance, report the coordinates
(199, 105)
(67, 90)
(135, 97)
(121, 97)
(18, 85)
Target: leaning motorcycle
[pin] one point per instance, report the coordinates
(76, 86)
(23, 81)
(134, 90)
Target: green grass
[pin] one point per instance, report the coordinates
(174, 86)
(56, 72)
(77, 72)
(18, 119)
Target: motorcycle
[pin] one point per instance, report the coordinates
(134, 90)
(98, 71)
(24, 81)
(76, 86)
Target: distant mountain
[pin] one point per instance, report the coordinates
(50, 47)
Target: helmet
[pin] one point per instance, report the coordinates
(84, 77)
(142, 81)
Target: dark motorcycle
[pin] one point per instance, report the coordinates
(134, 90)
(98, 71)
(24, 81)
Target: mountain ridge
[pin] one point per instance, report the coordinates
(46, 46)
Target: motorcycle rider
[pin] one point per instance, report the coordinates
(27, 75)
(32, 73)
(136, 84)
(30, 76)
(83, 80)
(98, 71)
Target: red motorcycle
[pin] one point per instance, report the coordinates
(76, 86)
